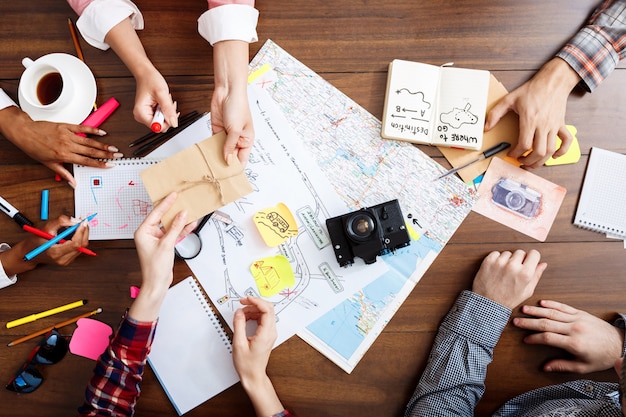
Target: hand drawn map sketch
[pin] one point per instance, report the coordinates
(364, 170)
(118, 196)
(281, 173)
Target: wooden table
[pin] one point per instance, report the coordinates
(349, 43)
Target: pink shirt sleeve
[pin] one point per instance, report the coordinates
(79, 5)
(217, 3)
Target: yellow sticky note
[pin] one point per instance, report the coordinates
(412, 232)
(276, 224)
(256, 74)
(573, 153)
(272, 275)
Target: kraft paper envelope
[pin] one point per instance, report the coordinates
(203, 180)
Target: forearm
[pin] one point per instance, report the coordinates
(230, 59)
(453, 381)
(263, 396)
(12, 122)
(597, 48)
(147, 305)
(115, 386)
(124, 41)
(13, 259)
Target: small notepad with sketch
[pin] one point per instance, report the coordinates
(118, 196)
(431, 105)
(603, 195)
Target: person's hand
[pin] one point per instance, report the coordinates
(230, 110)
(594, 343)
(152, 89)
(540, 104)
(155, 249)
(509, 278)
(61, 254)
(251, 354)
(53, 144)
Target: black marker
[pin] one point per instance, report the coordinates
(14, 213)
(486, 154)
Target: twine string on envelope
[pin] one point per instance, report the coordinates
(206, 179)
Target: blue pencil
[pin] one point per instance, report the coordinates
(30, 255)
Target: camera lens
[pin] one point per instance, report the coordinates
(514, 200)
(360, 226)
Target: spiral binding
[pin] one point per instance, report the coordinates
(215, 321)
(128, 161)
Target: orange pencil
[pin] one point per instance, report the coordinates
(45, 235)
(79, 50)
(56, 326)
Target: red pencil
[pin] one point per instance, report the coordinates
(45, 235)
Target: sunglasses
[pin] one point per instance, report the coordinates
(49, 351)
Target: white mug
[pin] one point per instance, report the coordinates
(45, 84)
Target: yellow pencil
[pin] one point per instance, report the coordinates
(56, 326)
(46, 313)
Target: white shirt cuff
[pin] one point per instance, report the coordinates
(102, 15)
(229, 22)
(5, 100)
(5, 280)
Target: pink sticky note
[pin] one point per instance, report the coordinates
(134, 292)
(91, 338)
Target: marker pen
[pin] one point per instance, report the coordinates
(96, 118)
(14, 213)
(157, 120)
(44, 204)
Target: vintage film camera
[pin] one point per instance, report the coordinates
(368, 232)
(516, 197)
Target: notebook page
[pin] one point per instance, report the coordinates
(191, 354)
(461, 108)
(603, 196)
(118, 196)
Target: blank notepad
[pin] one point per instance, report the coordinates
(191, 354)
(603, 196)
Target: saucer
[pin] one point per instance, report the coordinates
(84, 92)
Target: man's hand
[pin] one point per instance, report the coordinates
(509, 278)
(540, 104)
(594, 343)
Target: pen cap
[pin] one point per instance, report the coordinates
(20, 219)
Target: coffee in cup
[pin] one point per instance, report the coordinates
(57, 87)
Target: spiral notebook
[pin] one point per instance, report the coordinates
(117, 194)
(603, 196)
(191, 353)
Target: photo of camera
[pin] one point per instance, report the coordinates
(368, 232)
(516, 198)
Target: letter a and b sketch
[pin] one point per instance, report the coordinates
(442, 106)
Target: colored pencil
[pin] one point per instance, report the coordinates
(45, 235)
(52, 311)
(56, 326)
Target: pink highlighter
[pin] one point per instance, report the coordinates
(97, 117)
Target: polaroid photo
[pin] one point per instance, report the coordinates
(519, 199)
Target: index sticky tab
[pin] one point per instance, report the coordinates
(276, 224)
(272, 275)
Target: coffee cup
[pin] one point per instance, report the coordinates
(56, 87)
(44, 85)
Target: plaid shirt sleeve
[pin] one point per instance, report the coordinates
(453, 381)
(597, 48)
(114, 387)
